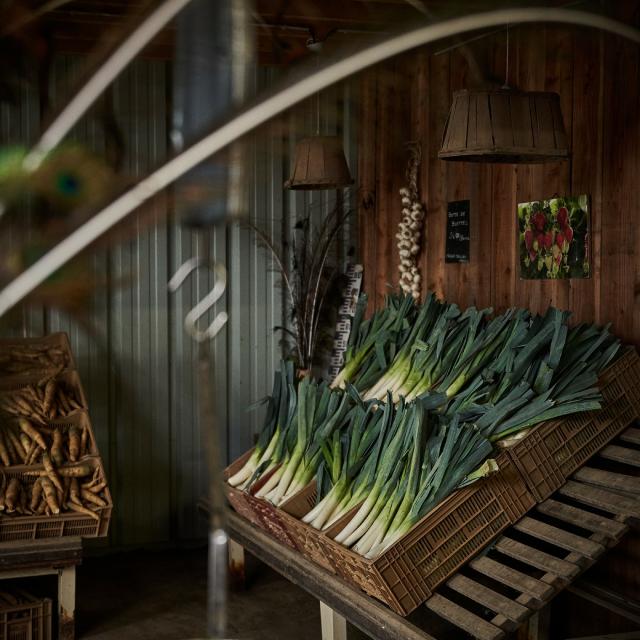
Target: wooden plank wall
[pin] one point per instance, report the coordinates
(409, 98)
(597, 76)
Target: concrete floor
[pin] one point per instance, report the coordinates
(157, 596)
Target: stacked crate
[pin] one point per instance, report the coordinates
(26, 367)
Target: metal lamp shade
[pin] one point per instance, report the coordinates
(504, 125)
(319, 163)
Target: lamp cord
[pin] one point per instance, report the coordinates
(506, 69)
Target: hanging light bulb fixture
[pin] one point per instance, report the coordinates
(504, 125)
(319, 161)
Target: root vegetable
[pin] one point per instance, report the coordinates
(56, 448)
(74, 491)
(93, 498)
(32, 432)
(12, 494)
(17, 445)
(75, 471)
(4, 452)
(36, 494)
(74, 443)
(96, 488)
(64, 402)
(49, 394)
(51, 472)
(74, 506)
(72, 471)
(26, 443)
(50, 495)
(11, 450)
(34, 455)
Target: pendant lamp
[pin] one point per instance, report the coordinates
(319, 163)
(504, 125)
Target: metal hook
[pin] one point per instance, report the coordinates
(191, 319)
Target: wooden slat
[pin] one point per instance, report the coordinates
(488, 598)
(601, 498)
(608, 480)
(621, 454)
(464, 619)
(512, 578)
(581, 518)
(559, 537)
(537, 558)
(632, 435)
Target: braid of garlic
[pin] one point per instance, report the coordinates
(410, 226)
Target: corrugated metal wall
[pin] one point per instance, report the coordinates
(136, 362)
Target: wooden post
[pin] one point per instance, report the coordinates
(537, 627)
(66, 602)
(237, 573)
(334, 626)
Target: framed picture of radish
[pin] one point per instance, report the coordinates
(554, 237)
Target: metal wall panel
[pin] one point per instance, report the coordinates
(136, 362)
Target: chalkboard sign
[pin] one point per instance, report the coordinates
(457, 244)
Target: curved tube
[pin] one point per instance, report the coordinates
(273, 105)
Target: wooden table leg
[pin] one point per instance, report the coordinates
(66, 603)
(334, 626)
(537, 627)
(236, 565)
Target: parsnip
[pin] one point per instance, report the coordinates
(50, 495)
(32, 432)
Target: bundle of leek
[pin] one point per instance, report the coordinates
(373, 343)
(269, 449)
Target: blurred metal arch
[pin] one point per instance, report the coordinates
(260, 112)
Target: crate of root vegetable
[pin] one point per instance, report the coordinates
(42, 398)
(62, 441)
(30, 356)
(50, 501)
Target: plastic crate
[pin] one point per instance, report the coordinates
(69, 379)
(307, 539)
(30, 619)
(260, 512)
(53, 341)
(550, 453)
(237, 498)
(405, 575)
(16, 527)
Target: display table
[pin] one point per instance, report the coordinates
(59, 556)
(488, 614)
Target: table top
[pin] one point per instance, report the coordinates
(31, 554)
